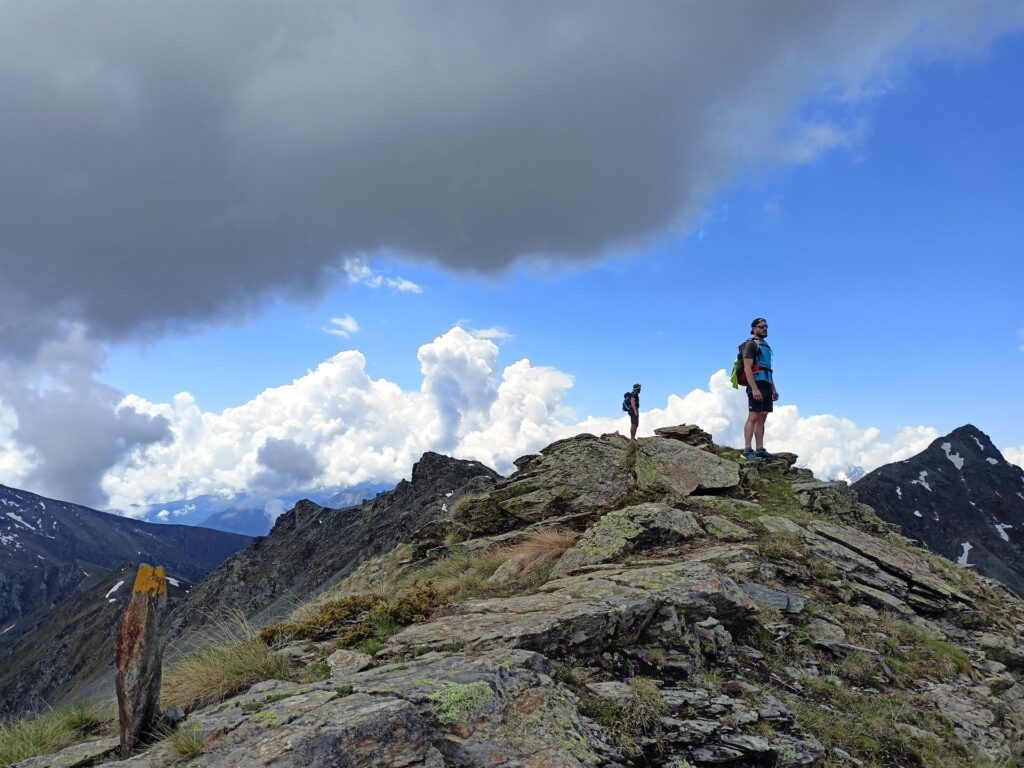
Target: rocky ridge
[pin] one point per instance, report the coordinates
(311, 546)
(961, 499)
(689, 610)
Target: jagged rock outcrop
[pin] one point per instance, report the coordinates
(312, 546)
(775, 621)
(960, 498)
(590, 475)
(49, 549)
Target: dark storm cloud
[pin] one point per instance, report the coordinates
(286, 465)
(75, 426)
(164, 163)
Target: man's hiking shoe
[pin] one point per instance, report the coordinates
(761, 453)
(750, 455)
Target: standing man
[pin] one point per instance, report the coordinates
(761, 392)
(631, 405)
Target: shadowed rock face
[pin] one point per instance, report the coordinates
(959, 491)
(311, 546)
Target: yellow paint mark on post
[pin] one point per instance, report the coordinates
(151, 580)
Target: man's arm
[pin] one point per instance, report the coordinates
(748, 368)
(634, 403)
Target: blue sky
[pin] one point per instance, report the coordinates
(507, 214)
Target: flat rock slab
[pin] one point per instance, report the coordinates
(437, 710)
(690, 434)
(725, 529)
(84, 754)
(344, 662)
(788, 602)
(666, 466)
(620, 532)
(584, 613)
(890, 558)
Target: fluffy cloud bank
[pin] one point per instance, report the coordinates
(338, 426)
(167, 163)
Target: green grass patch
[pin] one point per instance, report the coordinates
(881, 730)
(49, 731)
(188, 742)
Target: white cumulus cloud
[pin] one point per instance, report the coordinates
(1014, 454)
(339, 426)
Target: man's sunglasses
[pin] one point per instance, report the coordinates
(762, 325)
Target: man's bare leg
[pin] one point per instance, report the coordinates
(632, 430)
(759, 429)
(748, 428)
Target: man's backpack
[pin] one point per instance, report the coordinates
(627, 404)
(739, 374)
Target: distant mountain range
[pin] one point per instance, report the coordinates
(960, 498)
(49, 549)
(248, 514)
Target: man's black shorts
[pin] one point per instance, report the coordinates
(634, 418)
(765, 405)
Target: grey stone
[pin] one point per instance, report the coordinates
(724, 529)
(620, 532)
(345, 662)
(789, 602)
(76, 756)
(669, 467)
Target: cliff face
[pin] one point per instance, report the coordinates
(961, 499)
(49, 549)
(612, 604)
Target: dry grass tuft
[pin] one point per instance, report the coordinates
(458, 506)
(188, 742)
(49, 732)
(232, 659)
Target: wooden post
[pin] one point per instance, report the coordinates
(139, 657)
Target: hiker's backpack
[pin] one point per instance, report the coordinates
(626, 402)
(739, 375)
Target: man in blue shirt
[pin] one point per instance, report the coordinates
(761, 392)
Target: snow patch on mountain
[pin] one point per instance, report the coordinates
(953, 456)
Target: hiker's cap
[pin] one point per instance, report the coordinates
(636, 386)
(757, 320)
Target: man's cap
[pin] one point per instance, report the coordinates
(757, 320)
(636, 386)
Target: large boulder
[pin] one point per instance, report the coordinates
(580, 474)
(673, 468)
(620, 532)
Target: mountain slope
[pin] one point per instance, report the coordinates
(311, 546)
(48, 548)
(621, 604)
(71, 644)
(960, 498)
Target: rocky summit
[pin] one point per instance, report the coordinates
(609, 604)
(959, 498)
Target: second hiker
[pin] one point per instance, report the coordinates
(761, 392)
(631, 405)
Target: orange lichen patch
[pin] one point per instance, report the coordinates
(151, 580)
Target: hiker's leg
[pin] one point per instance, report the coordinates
(748, 428)
(759, 429)
(632, 428)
